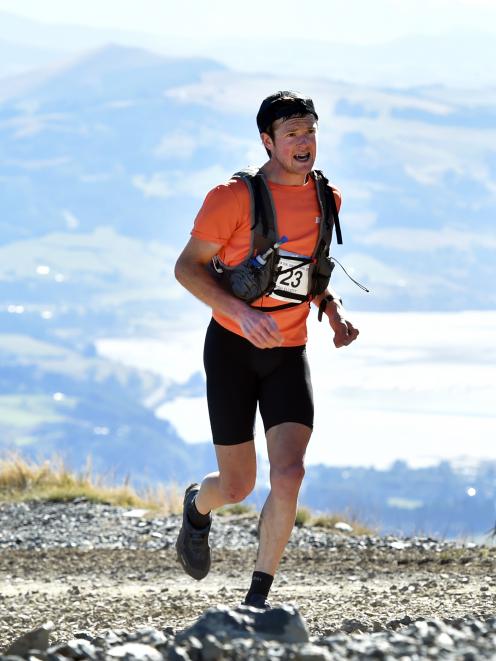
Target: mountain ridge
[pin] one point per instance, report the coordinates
(406, 60)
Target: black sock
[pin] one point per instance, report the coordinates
(197, 519)
(260, 584)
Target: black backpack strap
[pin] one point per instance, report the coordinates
(334, 209)
(276, 308)
(263, 228)
(331, 216)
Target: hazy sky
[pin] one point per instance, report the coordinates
(350, 21)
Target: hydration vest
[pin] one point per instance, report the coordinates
(259, 273)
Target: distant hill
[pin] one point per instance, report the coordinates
(58, 399)
(437, 500)
(130, 140)
(16, 58)
(455, 57)
(105, 74)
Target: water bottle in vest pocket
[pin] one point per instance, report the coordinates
(250, 279)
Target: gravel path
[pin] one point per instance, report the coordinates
(97, 568)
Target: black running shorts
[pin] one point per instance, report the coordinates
(239, 375)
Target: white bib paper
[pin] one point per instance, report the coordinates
(292, 282)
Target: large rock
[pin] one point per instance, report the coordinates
(37, 639)
(135, 651)
(77, 649)
(283, 624)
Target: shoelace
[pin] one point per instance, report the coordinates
(198, 545)
(198, 537)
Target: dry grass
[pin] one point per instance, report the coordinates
(237, 509)
(330, 521)
(305, 517)
(22, 479)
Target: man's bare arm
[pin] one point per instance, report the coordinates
(193, 273)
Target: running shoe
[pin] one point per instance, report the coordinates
(256, 600)
(193, 550)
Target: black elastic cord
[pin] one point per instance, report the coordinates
(275, 308)
(303, 262)
(349, 276)
(300, 298)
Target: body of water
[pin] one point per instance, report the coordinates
(415, 386)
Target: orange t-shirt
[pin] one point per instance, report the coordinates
(225, 218)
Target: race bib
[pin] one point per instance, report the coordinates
(292, 282)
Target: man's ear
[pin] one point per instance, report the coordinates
(267, 141)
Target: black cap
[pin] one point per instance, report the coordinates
(283, 104)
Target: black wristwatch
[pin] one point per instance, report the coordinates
(323, 304)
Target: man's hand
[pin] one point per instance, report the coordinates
(259, 328)
(344, 331)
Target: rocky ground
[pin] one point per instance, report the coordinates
(95, 569)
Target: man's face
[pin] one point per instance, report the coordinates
(294, 146)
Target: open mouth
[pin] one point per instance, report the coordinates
(302, 158)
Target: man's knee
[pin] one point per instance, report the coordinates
(287, 480)
(236, 490)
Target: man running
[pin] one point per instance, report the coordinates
(255, 351)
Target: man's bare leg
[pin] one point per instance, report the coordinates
(232, 483)
(234, 480)
(286, 444)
